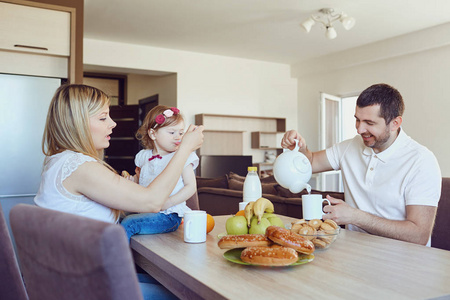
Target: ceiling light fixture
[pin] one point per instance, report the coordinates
(327, 17)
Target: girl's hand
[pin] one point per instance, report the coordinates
(127, 175)
(193, 138)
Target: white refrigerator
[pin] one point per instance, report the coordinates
(24, 102)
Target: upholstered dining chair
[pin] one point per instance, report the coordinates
(192, 202)
(64, 256)
(440, 238)
(11, 284)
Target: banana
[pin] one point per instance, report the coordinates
(248, 212)
(261, 206)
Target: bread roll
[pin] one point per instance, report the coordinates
(308, 232)
(243, 241)
(315, 223)
(330, 222)
(286, 238)
(269, 256)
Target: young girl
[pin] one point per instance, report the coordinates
(161, 134)
(76, 180)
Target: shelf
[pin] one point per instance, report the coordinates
(264, 140)
(230, 131)
(263, 163)
(246, 123)
(264, 168)
(240, 135)
(222, 143)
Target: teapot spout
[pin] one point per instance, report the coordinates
(300, 186)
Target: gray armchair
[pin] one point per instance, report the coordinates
(64, 256)
(11, 284)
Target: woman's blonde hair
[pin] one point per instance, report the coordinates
(150, 122)
(67, 126)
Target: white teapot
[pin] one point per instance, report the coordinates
(292, 170)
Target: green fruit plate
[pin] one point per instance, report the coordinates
(221, 235)
(234, 255)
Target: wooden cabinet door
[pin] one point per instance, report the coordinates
(32, 29)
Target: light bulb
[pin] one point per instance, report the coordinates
(331, 33)
(308, 24)
(347, 22)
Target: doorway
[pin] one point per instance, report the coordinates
(337, 123)
(146, 105)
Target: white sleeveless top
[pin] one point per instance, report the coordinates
(53, 195)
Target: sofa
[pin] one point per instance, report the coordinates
(221, 196)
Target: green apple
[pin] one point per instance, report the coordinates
(260, 228)
(236, 225)
(268, 215)
(276, 221)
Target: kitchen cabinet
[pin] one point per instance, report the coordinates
(34, 29)
(41, 39)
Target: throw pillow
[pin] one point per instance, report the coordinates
(234, 184)
(219, 182)
(235, 176)
(283, 192)
(268, 179)
(269, 188)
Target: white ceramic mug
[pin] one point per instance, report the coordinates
(195, 226)
(312, 206)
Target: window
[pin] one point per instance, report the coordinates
(337, 123)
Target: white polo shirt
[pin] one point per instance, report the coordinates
(384, 183)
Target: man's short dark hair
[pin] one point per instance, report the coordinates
(389, 99)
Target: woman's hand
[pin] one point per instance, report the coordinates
(193, 138)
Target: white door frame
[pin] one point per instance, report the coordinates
(336, 137)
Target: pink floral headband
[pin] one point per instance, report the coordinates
(161, 118)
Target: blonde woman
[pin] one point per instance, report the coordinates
(75, 179)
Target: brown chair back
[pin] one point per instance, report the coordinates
(65, 256)
(441, 231)
(192, 202)
(11, 284)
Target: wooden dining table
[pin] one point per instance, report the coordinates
(356, 266)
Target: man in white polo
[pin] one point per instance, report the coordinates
(392, 184)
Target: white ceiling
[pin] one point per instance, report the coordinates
(265, 30)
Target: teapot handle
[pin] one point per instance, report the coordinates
(295, 149)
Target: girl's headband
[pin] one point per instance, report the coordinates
(161, 118)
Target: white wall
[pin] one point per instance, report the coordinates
(207, 83)
(422, 75)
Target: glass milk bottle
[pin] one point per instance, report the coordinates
(252, 185)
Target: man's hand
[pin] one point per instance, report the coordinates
(339, 211)
(415, 229)
(289, 138)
